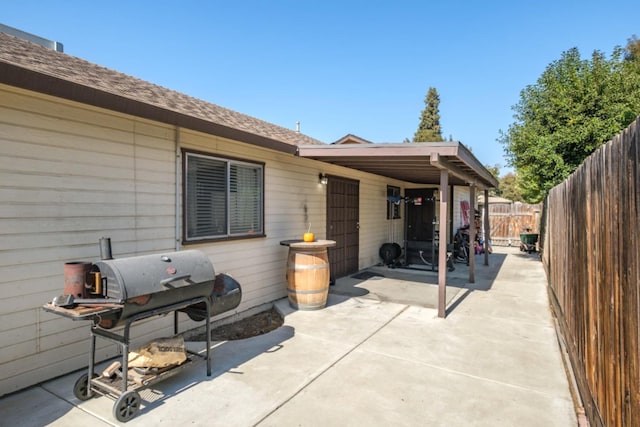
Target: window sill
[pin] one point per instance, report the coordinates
(223, 239)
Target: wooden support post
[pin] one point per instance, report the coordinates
(442, 250)
(472, 233)
(487, 227)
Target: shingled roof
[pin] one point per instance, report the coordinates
(29, 66)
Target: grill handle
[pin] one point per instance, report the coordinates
(167, 282)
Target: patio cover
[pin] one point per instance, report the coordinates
(433, 163)
(418, 162)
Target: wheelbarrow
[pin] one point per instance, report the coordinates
(528, 242)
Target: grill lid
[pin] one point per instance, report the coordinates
(147, 274)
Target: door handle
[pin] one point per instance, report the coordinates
(358, 225)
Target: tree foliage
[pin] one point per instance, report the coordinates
(509, 188)
(429, 128)
(493, 169)
(574, 107)
(508, 185)
(632, 51)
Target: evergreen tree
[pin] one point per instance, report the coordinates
(429, 128)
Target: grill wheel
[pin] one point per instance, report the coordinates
(81, 388)
(127, 406)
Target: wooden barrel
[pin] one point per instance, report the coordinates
(307, 277)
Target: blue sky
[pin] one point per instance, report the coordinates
(339, 67)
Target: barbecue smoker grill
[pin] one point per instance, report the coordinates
(118, 292)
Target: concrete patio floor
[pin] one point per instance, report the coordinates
(377, 355)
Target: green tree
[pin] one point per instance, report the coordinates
(509, 188)
(574, 107)
(632, 50)
(494, 169)
(429, 128)
(507, 184)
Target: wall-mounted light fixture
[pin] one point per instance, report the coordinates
(324, 179)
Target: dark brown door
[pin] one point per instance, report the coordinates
(343, 199)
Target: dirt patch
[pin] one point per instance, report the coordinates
(258, 324)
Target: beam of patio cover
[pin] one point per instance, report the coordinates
(442, 249)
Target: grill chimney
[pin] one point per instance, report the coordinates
(105, 248)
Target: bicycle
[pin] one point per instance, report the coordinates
(461, 245)
(434, 263)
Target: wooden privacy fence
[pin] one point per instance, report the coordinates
(591, 254)
(508, 220)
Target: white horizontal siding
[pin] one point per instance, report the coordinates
(68, 176)
(293, 200)
(460, 194)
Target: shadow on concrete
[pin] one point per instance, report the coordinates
(32, 407)
(533, 256)
(226, 356)
(418, 285)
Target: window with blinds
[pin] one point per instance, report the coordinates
(223, 198)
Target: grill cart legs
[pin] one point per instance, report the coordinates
(123, 387)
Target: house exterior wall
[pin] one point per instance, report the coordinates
(71, 174)
(68, 176)
(375, 228)
(294, 198)
(460, 194)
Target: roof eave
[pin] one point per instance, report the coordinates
(17, 76)
(467, 156)
(381, 149)
(447, 155)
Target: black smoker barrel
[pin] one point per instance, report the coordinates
(114, 292)
(152, 281)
